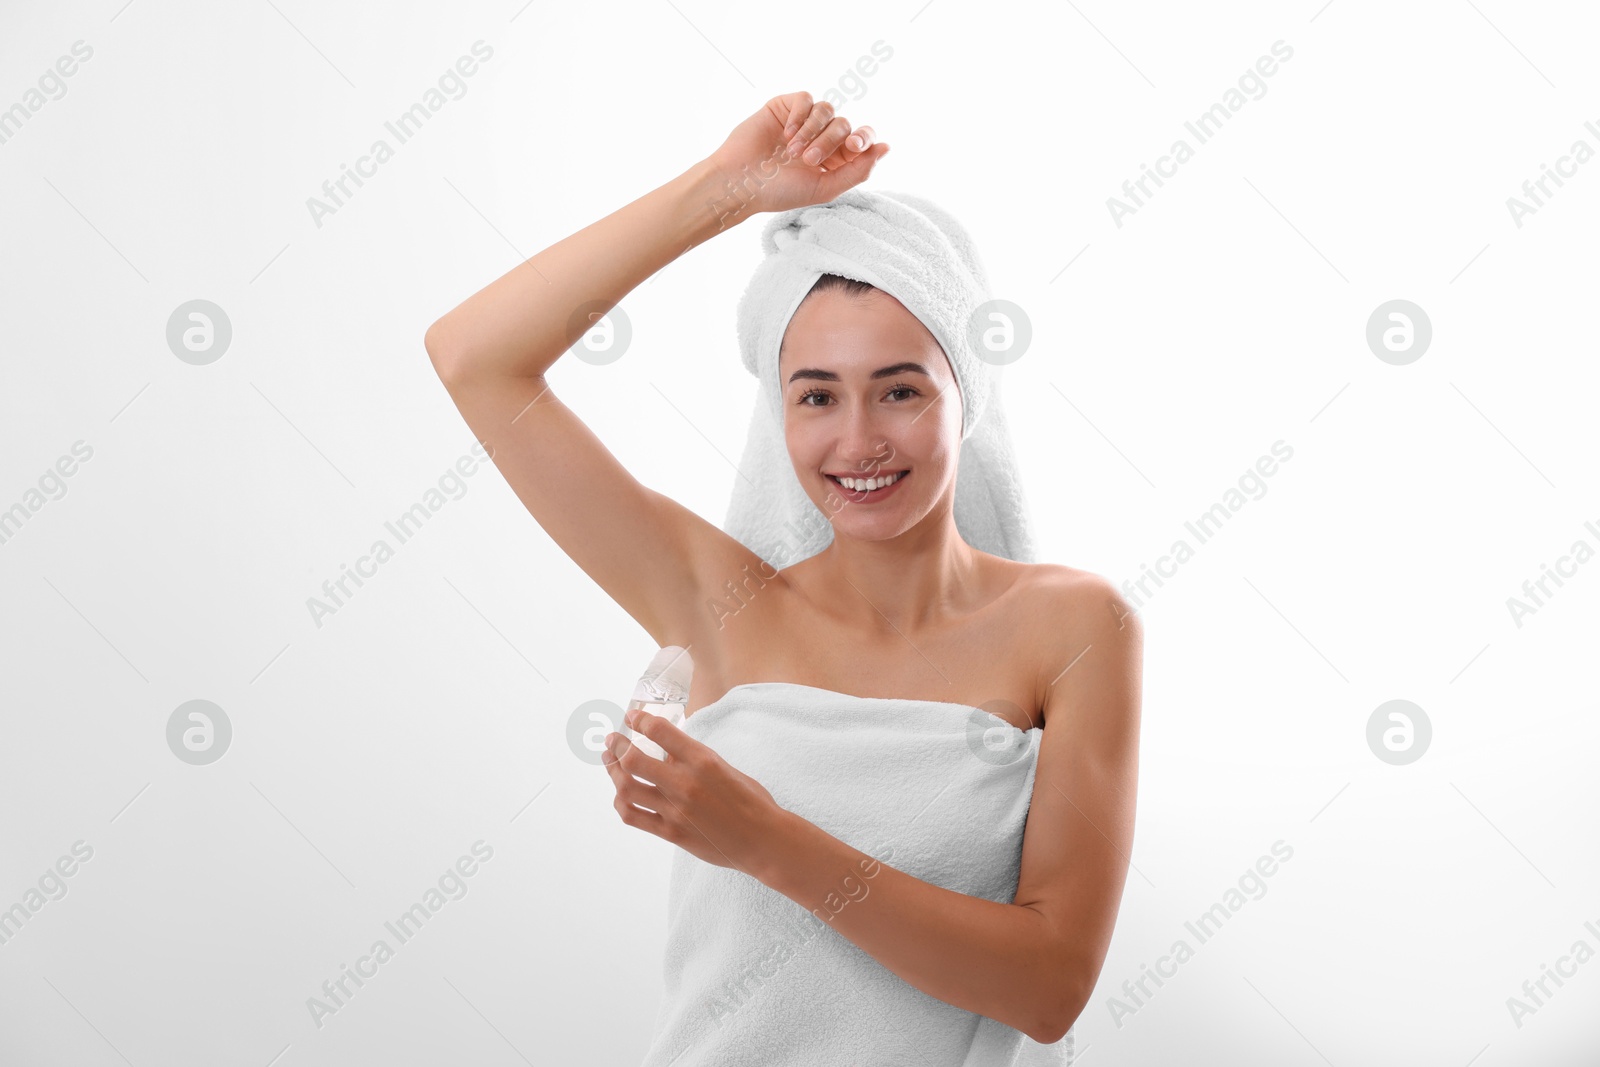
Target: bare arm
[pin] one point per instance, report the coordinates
(521, 323)
(977, 954)
(648, 552)
(1079, 839)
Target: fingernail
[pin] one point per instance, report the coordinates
(812, 155)
(631, 717)
(853, 141)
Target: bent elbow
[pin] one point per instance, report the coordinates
(1060, 1017)
(1049, 1035)
(433, 339)
(443, 353)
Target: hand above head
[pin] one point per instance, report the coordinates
(794, 152)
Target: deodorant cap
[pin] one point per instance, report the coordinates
(666, 680)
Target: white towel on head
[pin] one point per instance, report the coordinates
(938, 790)
(919, 254)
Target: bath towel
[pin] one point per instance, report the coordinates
(938, 790)
(918, 253)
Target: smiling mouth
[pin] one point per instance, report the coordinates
(868, 494)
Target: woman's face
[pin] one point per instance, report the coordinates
(868, 393)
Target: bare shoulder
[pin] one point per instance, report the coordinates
(1083, 628)
(1068, 600)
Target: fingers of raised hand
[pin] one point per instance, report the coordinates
(824, 145)
(816, 119)
(800, 109)
(823, 150)
(859, 142)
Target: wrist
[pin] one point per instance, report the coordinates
(780, 848)
(713, 199)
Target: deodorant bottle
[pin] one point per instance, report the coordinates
(662, 690)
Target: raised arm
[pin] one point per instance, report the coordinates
(493, 352)
(520, 324)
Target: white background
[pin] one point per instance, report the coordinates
(432, 710)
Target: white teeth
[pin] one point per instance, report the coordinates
(861, 484)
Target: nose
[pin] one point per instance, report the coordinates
(863, 446)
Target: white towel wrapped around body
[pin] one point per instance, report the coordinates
(938, 790)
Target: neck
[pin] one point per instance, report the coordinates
(903, 585)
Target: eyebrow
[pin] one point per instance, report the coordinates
(882, 372)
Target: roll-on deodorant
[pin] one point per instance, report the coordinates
(662, 690)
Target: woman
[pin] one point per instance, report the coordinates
(897, 617)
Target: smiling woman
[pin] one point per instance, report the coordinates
(852, 317)
(908, 681)
(847, 317)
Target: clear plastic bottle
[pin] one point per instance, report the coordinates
(662, 690)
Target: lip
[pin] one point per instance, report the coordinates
(870, 496)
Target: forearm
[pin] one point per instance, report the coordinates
(522, 322)
(991, 958)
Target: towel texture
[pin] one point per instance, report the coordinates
(918, 253)
(938, 790)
